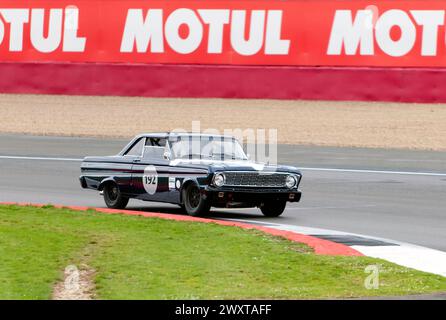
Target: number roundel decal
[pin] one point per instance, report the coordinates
(150, 179)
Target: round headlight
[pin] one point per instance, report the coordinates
(290, 181)
(219, 179)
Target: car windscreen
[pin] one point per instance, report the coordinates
(215, 148)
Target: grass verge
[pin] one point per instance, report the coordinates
(150, 258)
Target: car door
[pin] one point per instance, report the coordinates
(150, 172)
(123, 170)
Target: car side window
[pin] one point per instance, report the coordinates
(154, 148)
(137, 148)
(156, 142)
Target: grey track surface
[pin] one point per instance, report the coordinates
(401, 207)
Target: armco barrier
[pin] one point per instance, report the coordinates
(319, 83)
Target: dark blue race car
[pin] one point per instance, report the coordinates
(195, 171)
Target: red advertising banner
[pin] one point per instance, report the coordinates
(250, 32)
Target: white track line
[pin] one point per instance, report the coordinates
(408, 255)
(413, 173)
(39, 158)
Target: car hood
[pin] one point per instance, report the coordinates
(233, 165)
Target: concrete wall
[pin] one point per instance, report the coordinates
(318, 83)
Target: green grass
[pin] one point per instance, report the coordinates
(149, 258)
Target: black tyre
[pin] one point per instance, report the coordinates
(113, 197)
(273, 208)
(194, 203)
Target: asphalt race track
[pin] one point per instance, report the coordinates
(395, 194)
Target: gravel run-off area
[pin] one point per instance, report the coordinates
(357, 124)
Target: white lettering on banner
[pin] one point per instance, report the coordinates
(143, 32)
(147, 34)
(431, 20)
(273, 43)
(2, 31)
(195, 31)
(17, 18)
(255, 39)
(385, 23)
(72, 43)
(52, 41)
(216, 19)
(234, 32)
(350, 35)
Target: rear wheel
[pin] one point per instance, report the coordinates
(194, 203)
(273, 208)
(113, 197)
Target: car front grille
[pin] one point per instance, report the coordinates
(255, 179)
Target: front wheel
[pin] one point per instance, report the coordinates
(113, 197)
(273, 208)
(194, 203)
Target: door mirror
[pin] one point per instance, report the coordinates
(166, 155)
